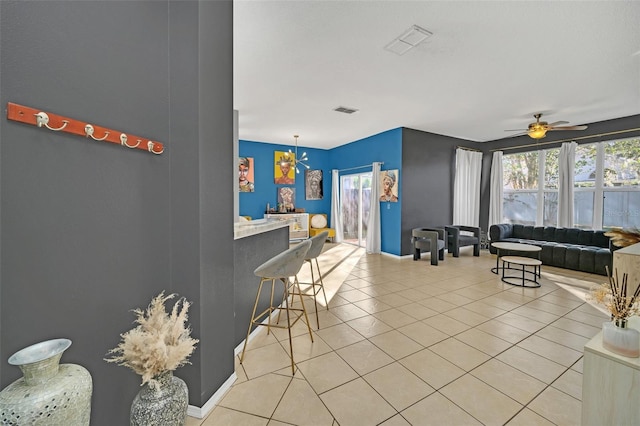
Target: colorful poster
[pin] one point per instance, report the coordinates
(313, 184)
(389, 186)
(287, 198)
(284, 173)
(245, 174)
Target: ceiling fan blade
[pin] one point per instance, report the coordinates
(516, 130)
(522, 133)
(555, 123)
(568, 128)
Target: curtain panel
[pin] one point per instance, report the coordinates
(466, 191)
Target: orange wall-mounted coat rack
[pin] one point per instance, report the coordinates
(58, 123)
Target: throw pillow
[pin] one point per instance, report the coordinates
(318, 221)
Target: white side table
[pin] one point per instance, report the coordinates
(610, 385)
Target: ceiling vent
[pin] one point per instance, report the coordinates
(408, 40)
(345, 110)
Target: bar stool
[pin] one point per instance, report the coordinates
(317, 243)
(283, 266)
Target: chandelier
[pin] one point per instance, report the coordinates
(297, 160)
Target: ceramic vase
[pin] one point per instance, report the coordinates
(164, 405)
(49, 393)
(620, 339)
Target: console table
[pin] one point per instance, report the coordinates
(298, 224)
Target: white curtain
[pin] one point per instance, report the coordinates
(336, 213)
(566, 168)
(374, 242)
(466, 190)
(496, 190)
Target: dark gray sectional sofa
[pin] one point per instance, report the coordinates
(571, 248)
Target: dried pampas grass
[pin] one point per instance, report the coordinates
(161, 341)
(613, 295)
(623, 237)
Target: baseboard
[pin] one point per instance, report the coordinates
(202, 412)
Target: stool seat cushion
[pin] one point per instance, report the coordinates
(285, 264)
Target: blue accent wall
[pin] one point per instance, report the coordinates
(385, 147)
(265, 191)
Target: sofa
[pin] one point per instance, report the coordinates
(578, 249)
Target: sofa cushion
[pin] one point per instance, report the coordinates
(538, 233)
(585, 238)
(573, 235)
(588, 259)
(600, 240)
(549, 233)
(522, 231)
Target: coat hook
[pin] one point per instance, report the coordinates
(151, 145)
(43, 119)
(123, 141)
(88, 130)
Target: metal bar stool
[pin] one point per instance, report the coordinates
(317, 243)
(283, 266)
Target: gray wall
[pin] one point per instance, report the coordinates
(90, 230)
(249, 253)
(428, 172)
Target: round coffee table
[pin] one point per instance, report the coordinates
(523, 262)
(517, 247)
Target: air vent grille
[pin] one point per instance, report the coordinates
(345, 110)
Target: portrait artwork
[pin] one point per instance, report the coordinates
(283, 172)
(287, 198)
(313, 184)
(389, 186)
(245, 174)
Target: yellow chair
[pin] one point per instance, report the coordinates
(318, 224)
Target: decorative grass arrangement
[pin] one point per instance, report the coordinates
(613, 295)
(161, 342)
(623, 237)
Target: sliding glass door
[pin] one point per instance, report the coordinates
(355, 197)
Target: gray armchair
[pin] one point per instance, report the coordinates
(457, 239)
(429, 239)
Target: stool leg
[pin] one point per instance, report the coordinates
(273, 283)
(253, 316)
(286, 307)
(322, 285)
(296, 285)
(313, 289)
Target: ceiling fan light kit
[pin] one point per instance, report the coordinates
(539, 129)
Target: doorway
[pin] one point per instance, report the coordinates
(355, 196)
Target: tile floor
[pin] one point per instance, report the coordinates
(408, 343)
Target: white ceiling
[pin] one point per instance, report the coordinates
(489, 66)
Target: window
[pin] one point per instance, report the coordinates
(606, 186)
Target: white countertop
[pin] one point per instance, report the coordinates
(258, 226)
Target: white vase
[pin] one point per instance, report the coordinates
(49, 393)
(620, 339)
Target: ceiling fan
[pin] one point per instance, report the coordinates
(539, 129)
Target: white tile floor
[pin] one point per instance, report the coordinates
(408, 343)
